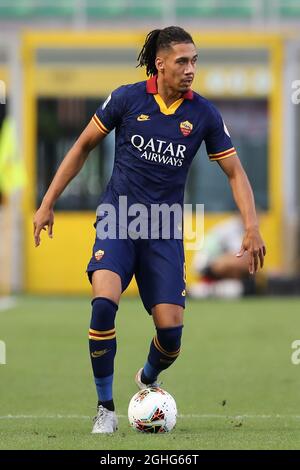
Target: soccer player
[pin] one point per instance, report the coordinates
(160, 124)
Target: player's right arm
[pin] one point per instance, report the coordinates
(219, 148)
(68, 169)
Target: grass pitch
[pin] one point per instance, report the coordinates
(234, 383)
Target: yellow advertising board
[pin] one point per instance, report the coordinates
(58, 265)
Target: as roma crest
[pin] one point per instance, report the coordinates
(186, 128)
(99, 254)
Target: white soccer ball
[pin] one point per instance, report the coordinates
(152, 410)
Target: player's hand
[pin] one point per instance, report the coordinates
(42, 218)
(254, 245)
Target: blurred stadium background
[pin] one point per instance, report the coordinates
(58, 62)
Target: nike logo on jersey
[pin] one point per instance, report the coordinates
(143, 117)
(96, 354)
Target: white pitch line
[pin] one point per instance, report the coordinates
(244, 416)
(187, 416)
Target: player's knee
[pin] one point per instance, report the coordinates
(103, 313)
(169, 339)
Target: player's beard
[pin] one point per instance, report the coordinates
(184, 89)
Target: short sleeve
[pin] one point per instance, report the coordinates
(217, 140)
(109, 114)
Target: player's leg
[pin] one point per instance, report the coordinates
(162, 288)
(108, 284)
(102, 344)
(107, 290)
(165, 346)
(109, 275)
(167, 315)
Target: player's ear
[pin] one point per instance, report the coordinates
(159, 62)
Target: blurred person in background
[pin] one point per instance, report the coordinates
(160, 124)
(221, 272)
(12, 180)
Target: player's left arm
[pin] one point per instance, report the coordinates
(243, 196)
